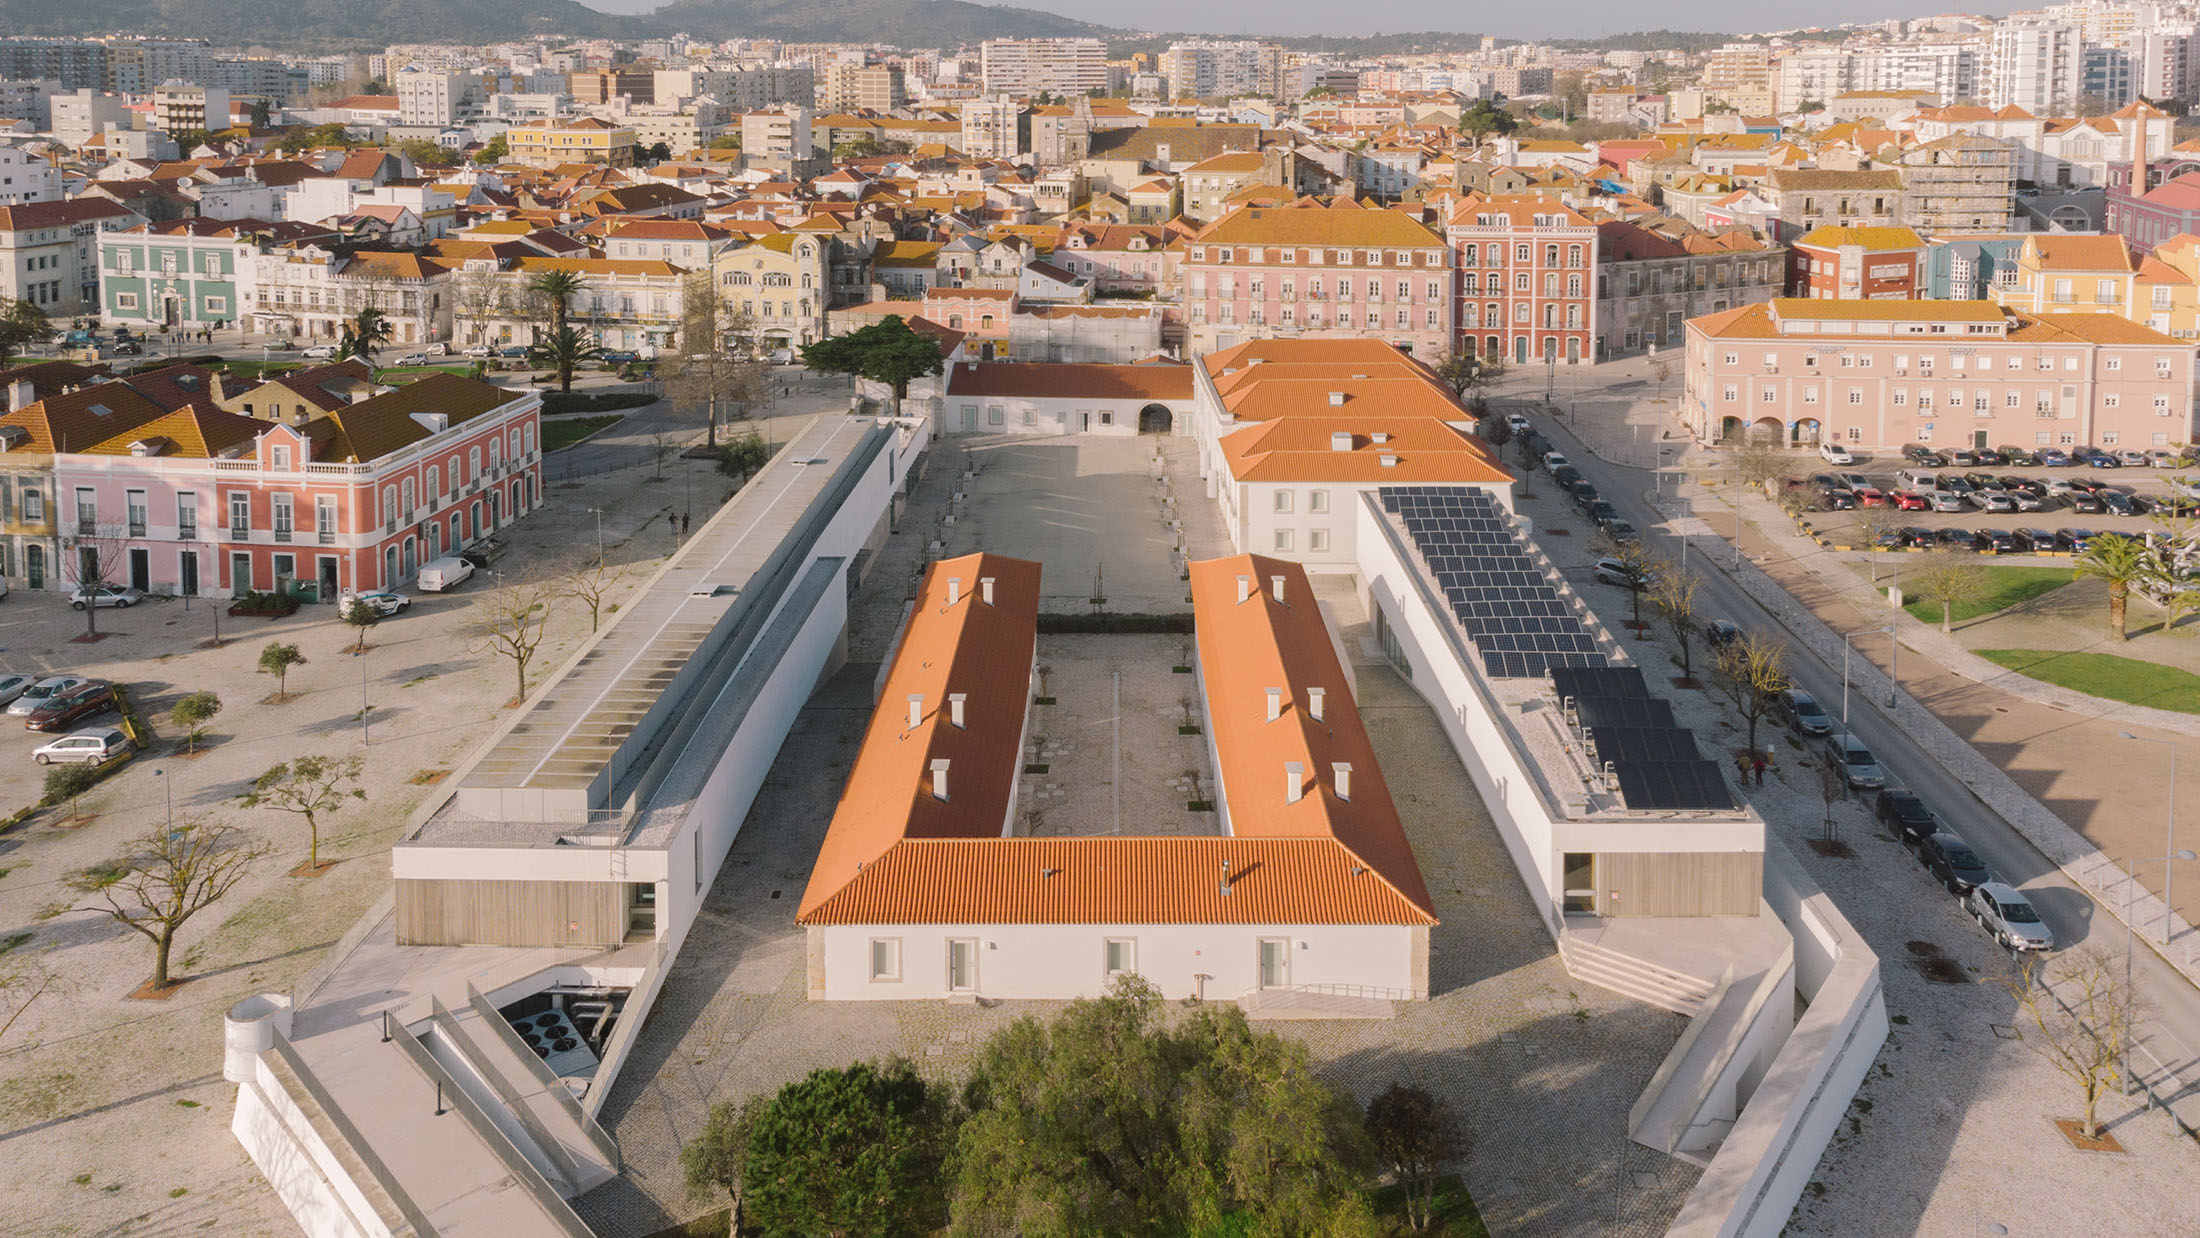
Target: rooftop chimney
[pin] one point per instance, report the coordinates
(954, 589)
(1390, 462)
(1245, 587)
(1336, 399)
(955, 707)
(1294, 781)
(1275, 586)
(916, 710)
(1314, 702)
(1343, 771)
(1340, 440)
(1275, 704)
(985, 590)
(1380, 436)
(939, 779)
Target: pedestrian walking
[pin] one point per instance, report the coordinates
(683, 524)
(1758, 763)
(1741, 766)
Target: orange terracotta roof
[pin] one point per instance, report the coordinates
(1419, 449)
(1099, 382)
(194, 432)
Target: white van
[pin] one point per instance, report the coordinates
(437, 575)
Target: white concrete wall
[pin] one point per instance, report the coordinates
(306, 1175)
(1047, 415)
(1054, 961)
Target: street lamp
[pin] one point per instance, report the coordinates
(2172, 841)
(1894, 660)
(169, 788)
(597, 512)
(2131, 894)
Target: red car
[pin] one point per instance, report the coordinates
(1867, 496)
(1912, 501)
(72, 707)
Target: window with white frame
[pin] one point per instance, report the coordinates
(1856, 434)
(885, 958)
(1119, 956)
(1283, 539)
(1317, 540)
(2161, 406)
(1924, 434)
(1283, 501)
(1317, 502)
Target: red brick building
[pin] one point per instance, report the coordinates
(1527, 277)
(1834, 263)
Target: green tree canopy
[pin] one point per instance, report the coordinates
(368, 330)
(859, 1151)
(21, 323)
(887, 351)
(493, 151)
(564, 349)
(1104, 1121)
(1485, 118)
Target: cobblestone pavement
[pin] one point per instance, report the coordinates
(1543, 1068)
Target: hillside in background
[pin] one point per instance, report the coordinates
(906, 23)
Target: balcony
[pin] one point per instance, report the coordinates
(187, 532)
(282, 534)
(87, 526)
(327, 537)
(137, 528)
(239, 533)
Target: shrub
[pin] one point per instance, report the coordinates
(554, 402)
(272, 605)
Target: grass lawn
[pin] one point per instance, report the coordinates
(1453, 1215)
(2005, 587)
(419, 371)
(570, 430)
(2106, 676)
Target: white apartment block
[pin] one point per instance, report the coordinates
(2037, 66)
(779, 135)
(1207, 69)
(425, 98)
(26, 178)
(995, 127)
(78, 115)
(179, 106)
(1057, 66)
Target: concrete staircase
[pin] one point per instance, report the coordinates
(475, 1045)
(1634, 977)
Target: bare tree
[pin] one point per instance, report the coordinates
(1833, 787)
(1874, 524)
(167, 877)
(1950, 582)
(34, 977)
(94, 556)
(514, 619)
(1751, 671)
(1637, 563)
(660, 450)
(1675, 596)
(715, 364)
(478, 297)
(2081, 1011)
(308, 786)
(1760, 459)
(592, 580)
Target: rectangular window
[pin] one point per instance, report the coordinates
(1119, 956)
(135, 501)
(34, 506)
(886, 958)
(1283, 539)
(240, 514)
(187, 516)
(324, 519)
(87, 512)
(1317, 501)
(1283, 500)
(962, 965)
(1317, 539)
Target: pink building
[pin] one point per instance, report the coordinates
(1319, 272)
(212, 503)
(1879, 374)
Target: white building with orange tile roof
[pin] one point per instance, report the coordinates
(1291, 431)
(926, 885)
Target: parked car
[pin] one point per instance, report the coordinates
(1963, 458)
(2075, 541)
(1804, 713)
(512, 351)
(39, 693)
(1950, 859)
(1993, 501)
(1997, 541)
(92, 746)
(319, 351)
(1985, 482)
(383, 602)
(415, 358)
(12, 686)
(477, 350)
(2017, 457)
(1921, 479)
(1720, 632)
(1918, 537)
(1613, 572)
(1566, 475)
(484, 552)
(1956, 539)
(1834, 453)
(1855, 481)
(1906, 816)
(438, 349)
(1603, 513)
(1622, 532)
(2118, 503)
(437, 575)
(2163, 458)
(2027, 501)
(621, 356)
(1955, 485)
(119, 596)
(2177, 504)
(2098, 459)
(1585, 493)
(1946, 501)
(1837, 501)
(1516, 422)
(1870, 496)
(2132, 459)
(2087, 502)
(2008, 916)
(2054, 458)
(2033, 539)
(1858, 767)
(63, 710)
(1931, 459)
(1989, 457)
(1915, 451)
(1554, 460)
(1911, 501)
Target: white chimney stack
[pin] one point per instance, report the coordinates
(939, 779)
(955, 707)
(1294, 781)
(985, 590)
(1275, 585)
(916, 710)
(1343, 771)
(954, 589)
(1275, 704)
(1314, 702)
(1340, 440)
(1245, 588)
(1336, 399)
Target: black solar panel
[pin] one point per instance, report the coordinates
(1624, 744)
(1502, 599)
(1673, 784)
(1570, 681)
(1596, 711)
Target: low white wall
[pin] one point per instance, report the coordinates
(303, 1170)
(1043, 961)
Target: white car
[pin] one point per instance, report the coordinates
(12, 686)
(92, 746)
(413, 358)
(1614, 572)
(478, 350)
(320, 351)
(438, 349)
(2001, 910)
(1835, 453)
(383, 602)
(1517, 421)
(1554, 460)
(122, 597)
(41, 692)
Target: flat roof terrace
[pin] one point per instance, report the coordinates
(1120, 749)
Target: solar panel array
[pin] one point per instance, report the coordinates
(1517, 621)
(1654, 759)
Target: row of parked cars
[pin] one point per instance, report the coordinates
(1998, 906)
(58, 702)
(1585, 496)
(1919, 490)
(2017, 457)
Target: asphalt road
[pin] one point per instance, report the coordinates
(2169, 1024)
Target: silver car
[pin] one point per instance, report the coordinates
(2009, 916)
(1855, 761)
(41, 692)
(12, 686)
(120, 596)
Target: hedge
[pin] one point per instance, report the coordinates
(1105, 624)
(272, 605)
(554, 402)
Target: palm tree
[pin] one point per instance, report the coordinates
(368, 329)
(2122, 562)
(559, 288)
(566, 349)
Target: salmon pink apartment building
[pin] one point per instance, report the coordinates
(1963, 374)
(205, 502)
(1314, 270)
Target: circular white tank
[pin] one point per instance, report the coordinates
(250, 1029)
